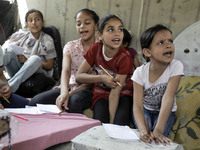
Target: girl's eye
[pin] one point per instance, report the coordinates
(78, 24)
(160, 43)
(87, 23)
(121, 30)
(171, 41)
(110, 30)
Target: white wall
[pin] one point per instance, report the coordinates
(137, 15)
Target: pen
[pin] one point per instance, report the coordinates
(61, 112)
(5, 99)
(109, 74)
(148, 126)
(19, 117)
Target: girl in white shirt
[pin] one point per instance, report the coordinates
(155, 84)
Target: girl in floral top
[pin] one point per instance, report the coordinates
(73, 96)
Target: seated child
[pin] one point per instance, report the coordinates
(28, 52)
(74, 97)
(155, 85)
(112, 96)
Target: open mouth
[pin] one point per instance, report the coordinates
(116, 41)
(168, 54)
(83, 32)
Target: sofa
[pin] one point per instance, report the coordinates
(186, 130)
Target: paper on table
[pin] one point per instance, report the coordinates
(152, 144)
(40, 109)
(120, 132)
(48, 108)
(28, 110)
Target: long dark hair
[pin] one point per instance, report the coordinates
(93, 14)
(103, 21)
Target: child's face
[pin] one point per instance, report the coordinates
(162, 48)
(112, 35)
(35, 23)
(85, 26)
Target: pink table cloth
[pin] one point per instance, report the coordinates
(45, 130)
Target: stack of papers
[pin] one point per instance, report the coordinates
(39, 109)
(120, 132)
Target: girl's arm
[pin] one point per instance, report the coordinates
(82, 76)
(65, 76)
(48, 65)
(138, 112)
(79, 88)
(114, 97)
(166, 108)
(136, 62)
(5, 89)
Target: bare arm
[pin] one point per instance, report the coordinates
(166, 108)
(79, 88)
(138, 112)
(136, 62)
(5, 89)
(82, 76)
(114, 97)
(65, 76)
(48, 65)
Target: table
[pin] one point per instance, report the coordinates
(97, 139)
(45, 130)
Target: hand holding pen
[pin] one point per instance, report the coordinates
(5, 91)
(110, 75)
(145, 134)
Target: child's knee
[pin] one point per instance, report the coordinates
(34, 59)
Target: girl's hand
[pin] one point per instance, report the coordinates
(110, 82)
(21, 58)
(55, 87)
(144, 136)
(5, 91)
(159, 137)
(62, 100)
(1, 106)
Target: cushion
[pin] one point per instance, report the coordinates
(186, 130)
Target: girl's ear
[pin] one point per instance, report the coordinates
(99, 35)
(146, 52)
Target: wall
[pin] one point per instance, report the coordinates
(137, 15)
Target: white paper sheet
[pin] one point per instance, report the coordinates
(48, 108)
(126, 133)
(39, 109)
(120, 132)
(28, 110)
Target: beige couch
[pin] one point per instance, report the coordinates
(186, 130)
